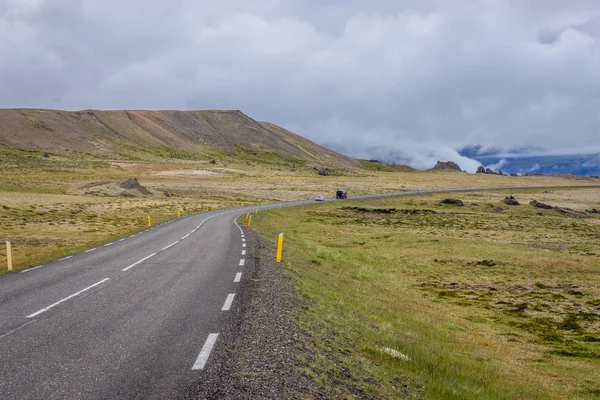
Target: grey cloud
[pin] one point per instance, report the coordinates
(408, 81)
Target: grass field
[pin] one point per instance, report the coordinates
(414, 298)
(53, 205)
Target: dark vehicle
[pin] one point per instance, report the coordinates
(341, 194)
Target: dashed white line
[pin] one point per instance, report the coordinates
(65, 258)
(194, 230)
(205, 352)
(108, 244)
(16, 329)
(243, 244)
(31, 269)
(90, 250)
(228, 302)
(242, 261)
(120, 240)
(66, 298)
(238, 277)
(243, 240)
(183, 238)
(138, 262)
(243, 252)
(172, 244)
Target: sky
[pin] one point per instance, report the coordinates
(410, 81)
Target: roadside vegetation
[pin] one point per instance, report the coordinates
(413, 298)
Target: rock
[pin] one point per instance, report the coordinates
(134, 185)
(167, 193)
(446, 166)
(568, 212)
(511, 201)
(452, 201)
(489, 171)
(593, 211)
(538, 204)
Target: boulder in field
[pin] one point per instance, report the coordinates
(511, 201)
(452, 201)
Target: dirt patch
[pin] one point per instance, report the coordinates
(190, 172)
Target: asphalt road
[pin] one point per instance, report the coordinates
(136, 318)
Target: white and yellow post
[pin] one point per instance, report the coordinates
(9, 255)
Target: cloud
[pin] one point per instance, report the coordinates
(498, 166)
(409, 81)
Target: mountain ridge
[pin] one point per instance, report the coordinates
(197, 133)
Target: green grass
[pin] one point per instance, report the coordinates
(484, 301)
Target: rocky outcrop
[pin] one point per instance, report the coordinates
(489, 171)
(133, 184)
(539, 204)
(446, 166)
(452, 201)
(511, 201)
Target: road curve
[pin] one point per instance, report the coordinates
(136, 318)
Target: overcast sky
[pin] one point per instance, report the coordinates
(407, 81)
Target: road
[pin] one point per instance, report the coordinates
(136, 318)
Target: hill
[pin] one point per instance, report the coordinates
(137, 134)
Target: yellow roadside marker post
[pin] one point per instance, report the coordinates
(250, 220)
(178, 213)
(279, 247)
(149, 221)
(9, 255)
(257, 211)
(247, 216)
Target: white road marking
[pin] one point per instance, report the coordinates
(66, 298)
(90, 250)
(65, 258)
(242, 261)
(183, 238)
(205, 352)
(108, 244)
(243, 244)
(172, 244)
(31, 269)
(193, 230)
(16, 329)
(120, 240)
(138, 262)
(243, 240)
(228, 302)
(243, 252)
(238, 277)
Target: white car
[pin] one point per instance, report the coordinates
(319, 198)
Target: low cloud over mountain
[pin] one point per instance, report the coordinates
(406, 81)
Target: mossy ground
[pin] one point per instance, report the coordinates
(481, 301)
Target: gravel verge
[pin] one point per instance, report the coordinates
(261, 351)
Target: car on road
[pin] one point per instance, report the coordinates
(319, 198)
(341, 194)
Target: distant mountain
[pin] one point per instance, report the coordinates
(139, 134)
(585, 165)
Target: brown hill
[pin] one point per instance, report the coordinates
(141, 134)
